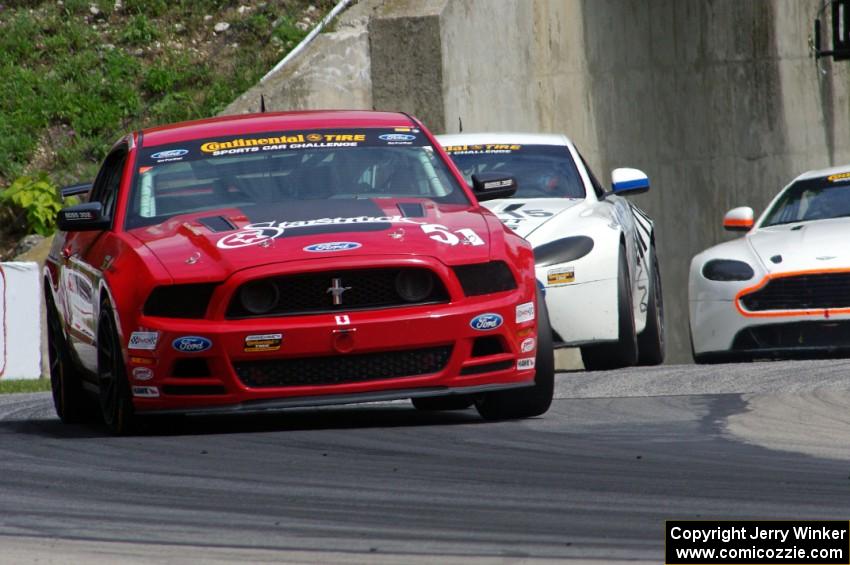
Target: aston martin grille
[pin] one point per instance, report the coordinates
(822, 290)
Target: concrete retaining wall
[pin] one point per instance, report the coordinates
(718, 101)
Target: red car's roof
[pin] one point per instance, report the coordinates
(271, 121)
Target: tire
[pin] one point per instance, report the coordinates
(651, 344)
(624, 351)
(72, 404)
(116, 406)
(434, 403)
(530, 401)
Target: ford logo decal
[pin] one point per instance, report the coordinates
(486, 322)
(191, 344)
(396, 137)
(332, 246)
(171, 154)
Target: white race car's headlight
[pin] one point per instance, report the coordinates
(562, 250)
(727, 270)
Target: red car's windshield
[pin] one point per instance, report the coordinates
(253, 172)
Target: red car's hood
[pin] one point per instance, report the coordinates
(214, 244)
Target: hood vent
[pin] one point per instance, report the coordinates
(412, 210)
(218, 223)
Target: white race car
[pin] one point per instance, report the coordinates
(594, 251)
(784, 288)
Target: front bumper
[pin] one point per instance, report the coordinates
(167, 380)
(719, 327)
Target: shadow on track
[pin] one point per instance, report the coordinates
(325, 418)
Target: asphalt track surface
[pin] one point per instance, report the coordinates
(593, 480)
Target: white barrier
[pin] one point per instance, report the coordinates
(20, 313)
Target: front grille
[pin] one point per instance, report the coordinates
(340, 369)
(794, 335)
(193, 390)
(310, 293)
(192, 367)
(829, 290)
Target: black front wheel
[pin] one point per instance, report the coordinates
(624, 351)
(116, 406)
(533, 400)
(69, 399)
(651, 339)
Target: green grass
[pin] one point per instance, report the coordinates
(24, 385)
(73, 83)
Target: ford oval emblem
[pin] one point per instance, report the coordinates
(486, 322)
(332, 246)
(170, 154)
(396, 137)
(191, 344)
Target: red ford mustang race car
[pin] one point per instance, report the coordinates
(260, 262)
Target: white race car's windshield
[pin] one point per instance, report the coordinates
(541, 171)
(815, 199)
(270, 169)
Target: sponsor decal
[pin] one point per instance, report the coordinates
(332, 246)
(406, 130)
(191, 344)
(146, 391)
(478, 149)
(263, 342)
(273, 143)
(78, 216)
(839, 177)
(342, 320)
(170, 154)
(525, 364)
(396, 137)
(142, 373)
(143, 340)
(142, 361)
(486, 322)
(255, 234)
(528, 345)
(561, 276)
(524, 312)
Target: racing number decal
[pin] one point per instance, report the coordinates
(442, 234)
(511, 215)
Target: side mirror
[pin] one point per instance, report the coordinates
(739, 219)
(490, 186)
(75, 189)
(82, 217)
(629, 181)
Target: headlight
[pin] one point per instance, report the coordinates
(414, 285)
(727, 270)
(259, 297)
(179, 300)
(562, 250)
(485, 278)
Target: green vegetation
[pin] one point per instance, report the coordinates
(35, 201)
(79, 74)
(24, 385)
